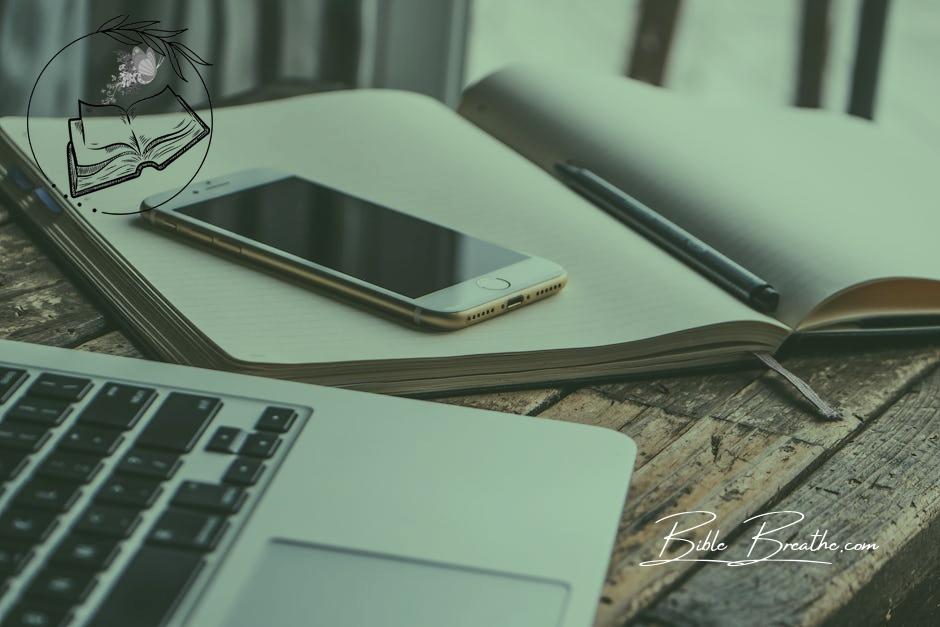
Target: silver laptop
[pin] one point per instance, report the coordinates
(139, 494)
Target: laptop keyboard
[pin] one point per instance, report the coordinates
(118, 499)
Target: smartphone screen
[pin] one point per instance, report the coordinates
(375, 244)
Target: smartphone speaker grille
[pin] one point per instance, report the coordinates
(481, 314)
(546, 290)
(542, 292)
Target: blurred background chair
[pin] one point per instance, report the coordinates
(865, 57)
(260, 49)
(871, 58)
(656, 25)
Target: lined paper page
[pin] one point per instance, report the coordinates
(813, 202)
(413, 154)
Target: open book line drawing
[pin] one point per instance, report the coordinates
(109, 145)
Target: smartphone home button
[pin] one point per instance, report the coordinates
(493, 283)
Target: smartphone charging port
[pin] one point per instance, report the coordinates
(515, 301)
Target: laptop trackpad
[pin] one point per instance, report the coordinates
(302, 584)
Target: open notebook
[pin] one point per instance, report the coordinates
(109, 144)
(827, 209)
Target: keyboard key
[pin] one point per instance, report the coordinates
(10, 380)
(40, 410)
(38, 613)
(149, 589)
(179, 422)
(70, 467)
(112, 522)
(50, 494)
(130, 492)
(70, 389)
(24, 437)
(276, 419)
(12, 463)
(149, 464)
(13, 559)
(244, 471)
(224, 499)
(118, 406)
(26, 525)
(187, 530)
(91, 440)
(61, 586)
(80, 552)
(259, 445)
(226, 440)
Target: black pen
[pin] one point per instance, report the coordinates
(730, 275)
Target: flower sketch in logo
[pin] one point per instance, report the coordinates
(134, 69)
(136, 121)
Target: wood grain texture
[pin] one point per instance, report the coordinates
(753, 446)
(37, 303)
(881, 488)
(113, 343)
(526, 402)
(652, 412)
(692, 395)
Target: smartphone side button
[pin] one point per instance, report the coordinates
(493, 283)
(159, 221)
(226, 245)
(205, 239)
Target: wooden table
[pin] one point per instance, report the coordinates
(736, 443)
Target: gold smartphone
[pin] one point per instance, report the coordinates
(420, 272)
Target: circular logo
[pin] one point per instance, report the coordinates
(131, 132)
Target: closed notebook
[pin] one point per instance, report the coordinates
(836, 214)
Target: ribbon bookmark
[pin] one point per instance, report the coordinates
(827, 410)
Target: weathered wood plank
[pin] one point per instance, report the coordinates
(653, 413)
(113, 343)
(752, 447)
(37, 303)
(691, 395)
(515, 402)
(921, 605)
(881, 488)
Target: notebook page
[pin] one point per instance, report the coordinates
(813, 202)
(413, 154)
